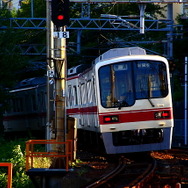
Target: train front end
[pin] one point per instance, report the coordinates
(134, 103)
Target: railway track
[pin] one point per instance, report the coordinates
(158, 169)
(144, 176)
(121, 165)
(127, 173)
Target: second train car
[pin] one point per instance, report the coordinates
(122, 102)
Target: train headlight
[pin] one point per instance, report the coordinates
(110, 119)
(162, 115)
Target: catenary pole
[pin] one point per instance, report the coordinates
(50, 69)
(185, 101)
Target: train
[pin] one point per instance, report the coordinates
(122, 102)
(26, 107)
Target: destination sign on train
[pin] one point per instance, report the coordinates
(131, 1)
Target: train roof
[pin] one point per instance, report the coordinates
(119, 52)
(77, 69)
(112, 53)
(29, 83)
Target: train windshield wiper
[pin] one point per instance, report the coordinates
(121, 103)
(150, 92)
(151, 102)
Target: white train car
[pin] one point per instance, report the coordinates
(122, 102)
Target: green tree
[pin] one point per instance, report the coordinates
(180, 52)
(39, 9)
(93, 43)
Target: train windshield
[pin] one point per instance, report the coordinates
(123, 83)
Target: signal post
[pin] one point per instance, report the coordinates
(60, 18)
(57, 68)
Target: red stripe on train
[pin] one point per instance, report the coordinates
(23, 116)
(123, 116)
(75, 111)
(135, 116)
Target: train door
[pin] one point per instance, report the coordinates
(94, 102)
(91, 103)
(76, 100)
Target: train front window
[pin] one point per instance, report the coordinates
(150, 79)
(123, 83)
(116, 85)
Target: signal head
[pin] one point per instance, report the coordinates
(60, 12)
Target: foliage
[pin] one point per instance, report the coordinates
(119, 9)
(42, 162)
(15, 66)
(91, 46)
(10, 62)
(178, 91)
(180, 52)
(13, 151)
(180, 44)
(96, 42)
(93, 42)
(5, 13)
(39, 9)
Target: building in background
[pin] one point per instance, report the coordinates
(11, 4)
(178, 9)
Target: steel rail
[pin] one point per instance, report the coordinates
(145, 176)
(121, 165)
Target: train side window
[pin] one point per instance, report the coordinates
(83, 93)
(93, 90)
(27, 102)
(89, 91)
(80, 93)
(70, 97)
(14, 105)
(86, 94)
(41, 100)
(9, 106)
(34, 104)
(17, 104)
(75, 95)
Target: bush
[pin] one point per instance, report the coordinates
(14, 152)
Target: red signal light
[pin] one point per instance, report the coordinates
(60, 17)
(60, 12)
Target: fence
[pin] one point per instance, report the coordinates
(31, 154)
(10, 166)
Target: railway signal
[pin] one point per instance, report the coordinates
(60, 12)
